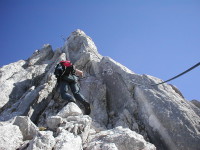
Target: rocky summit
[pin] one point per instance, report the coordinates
(127, 112)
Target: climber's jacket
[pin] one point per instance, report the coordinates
(65, 70)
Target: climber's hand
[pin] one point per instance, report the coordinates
(79, 73)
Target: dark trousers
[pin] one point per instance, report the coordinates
(64, 88)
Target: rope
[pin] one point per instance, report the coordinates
(178, 74)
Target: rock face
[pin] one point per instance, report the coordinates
(196, 103)
(29, 130)
(127, 113)
(118, 138)
(10, 137)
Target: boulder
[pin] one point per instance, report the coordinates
(54, 122)
(71, 109)
(44, 141)
(66, 140)
(28, 128)
(10, 137)
(78, 125)
(118, 139)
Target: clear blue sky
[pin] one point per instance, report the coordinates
(159, 38)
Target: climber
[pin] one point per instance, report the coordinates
(67, 76)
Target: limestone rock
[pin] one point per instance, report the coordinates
(41, 55)
(97, 99)
(8, 70)
(168, 118)
(120, 139)
(196, 103)
(28, 90)
(79, 43)
(44, 141)
(176, 90)
(27, 127)
(78, 125)
(9, 75)
(118, 85)
(54, 122)
(66, 140)
(10, 137)
(71, 109)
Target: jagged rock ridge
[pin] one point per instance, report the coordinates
(127, 113)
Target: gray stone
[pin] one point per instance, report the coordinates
(196, 103)
(71, 109)
(120, 139)
(78, 125)
(66, 140)
(79, 43)
(169, 119)
(40, 55)
(44, 141)
(97, 99)
(53, 122)
(10, 137)
(9, 76)
(27, 127)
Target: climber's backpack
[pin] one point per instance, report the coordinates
(61, 68)
(65, 68)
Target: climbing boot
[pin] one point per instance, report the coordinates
(87, 107)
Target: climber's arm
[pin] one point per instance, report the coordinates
(79, 72)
